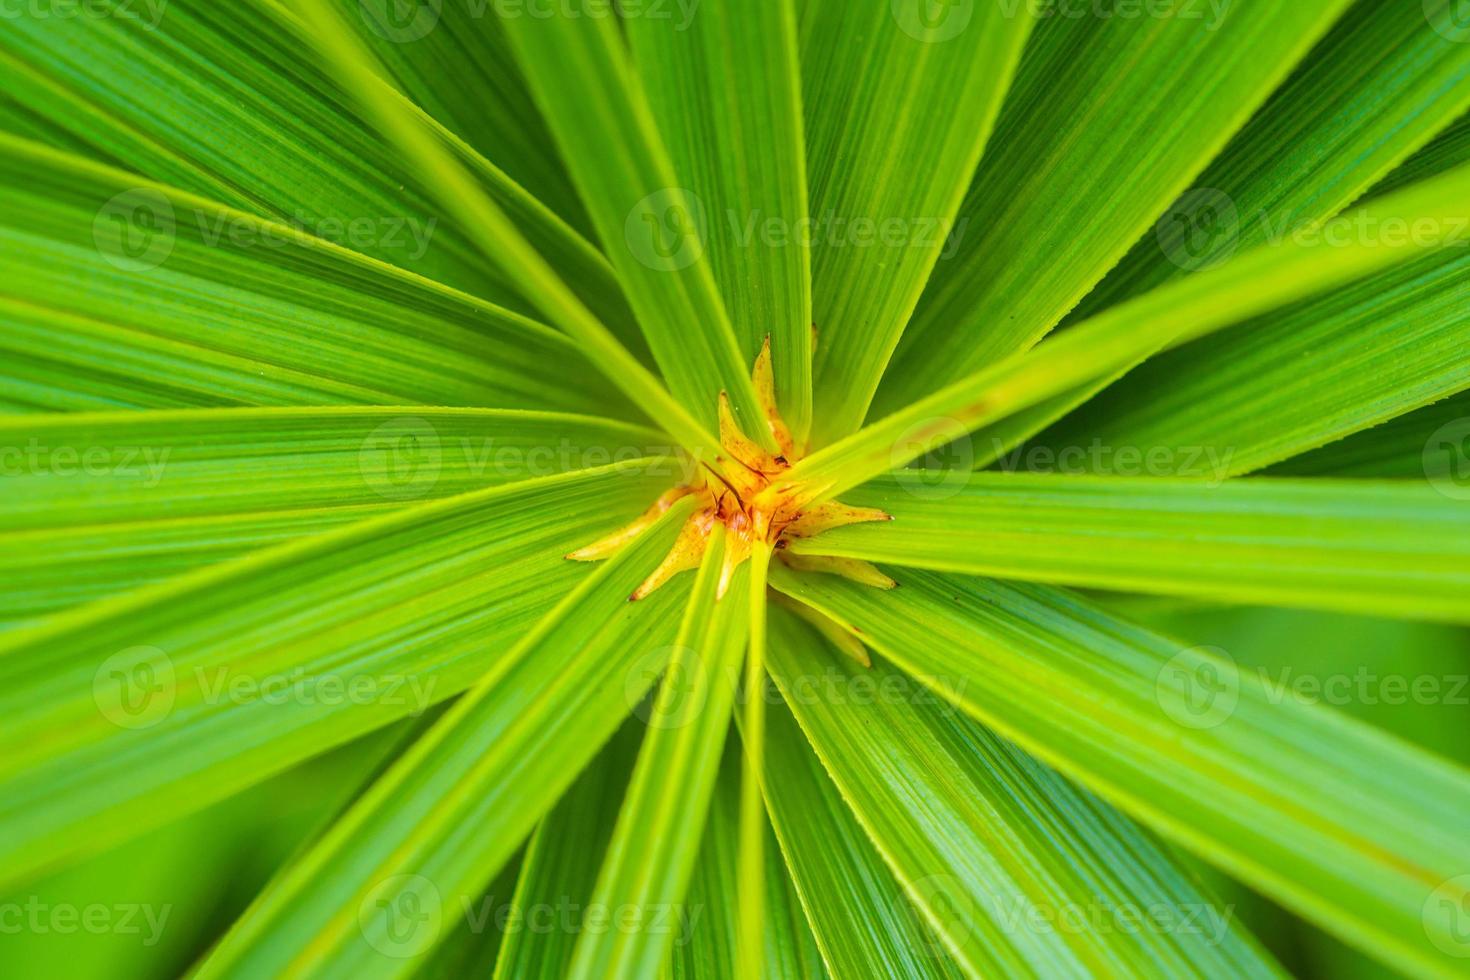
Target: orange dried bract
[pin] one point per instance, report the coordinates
(740, 497)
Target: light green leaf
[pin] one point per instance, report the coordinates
(553, 896)
(1298, 378)
(1018, 871)
(472, 948)
(1109, 120)
(1261, 280)
(126, 712)
(1431, 444)
(653, 848)
(579, 70)
(1338, 822)
(453, 60)
(1384, 80)
(863, 922)
(497, 236)
(900, 101)
(377, 892)
(1382, 548)
(714, 899)
(92, 505)
(750, 946)
(1448, 150)
(725, 91)
(191, 303)
(228, 102)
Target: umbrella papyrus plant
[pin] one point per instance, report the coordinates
(678, 433)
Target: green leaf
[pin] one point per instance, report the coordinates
(1299, 378)
(1331, 818)
(900, 102)
(1448, 150)
(1261, 280)
(92, 505)
(579, 69)
(864, 924)
(497, 236)
(1383, 82)
(714, 900)
(1429, 444)
(1381, 548)
(454, 61)
(1109, 120)
(725, 91)
(652, 852)
(375, 894)
(227, 101)
(750, 946)
(123, 713)
(553, 896)
(472, 948)
(1018, 871)
(191, 303)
